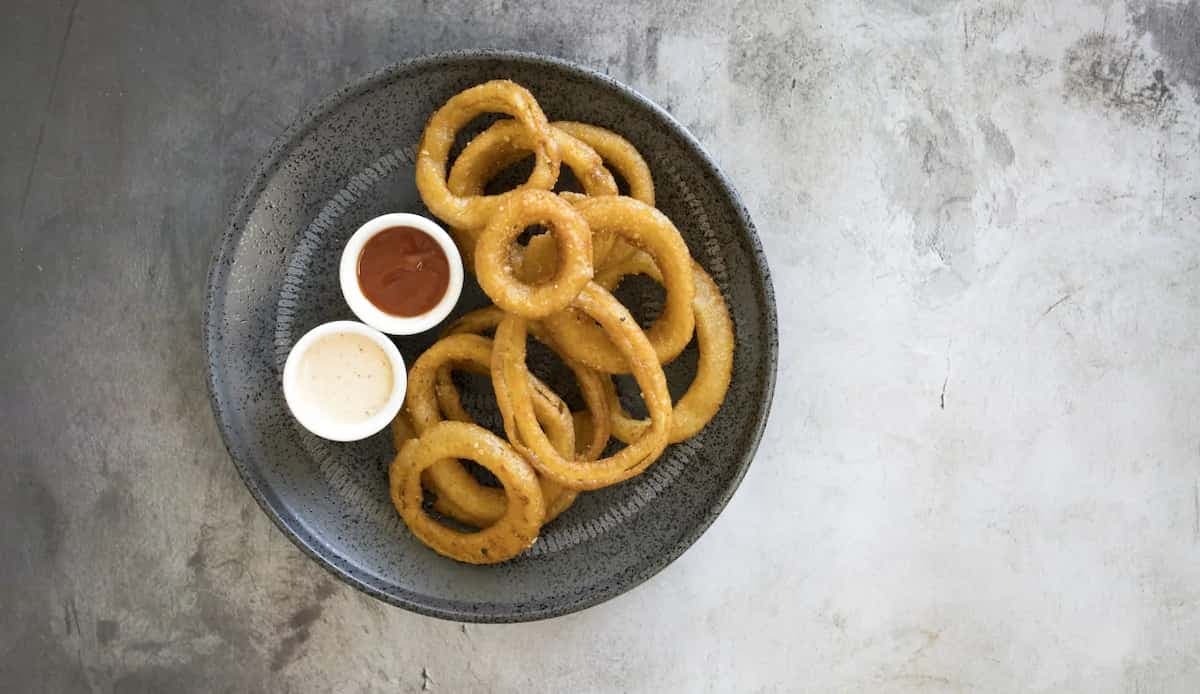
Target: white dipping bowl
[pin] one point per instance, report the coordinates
(372, 315)
(312, 417)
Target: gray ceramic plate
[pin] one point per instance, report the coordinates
(274, 276)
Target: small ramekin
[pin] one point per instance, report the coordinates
(311, 417)
(366, 311)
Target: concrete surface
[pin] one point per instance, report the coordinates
(983, 468)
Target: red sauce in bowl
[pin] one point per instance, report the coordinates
(403, 271)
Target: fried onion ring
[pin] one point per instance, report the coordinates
(714, 339)
(593, 386)
(469, 503)
(514, 532)
(493, 264)
(618, 153)
(497, 96)
(540, 257)
(505, 143)
(651, 231)
(481, 507)
(511, 381)
(459, 494)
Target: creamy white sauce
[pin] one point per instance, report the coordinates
(346, 376)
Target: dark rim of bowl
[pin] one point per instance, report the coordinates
(214, 300)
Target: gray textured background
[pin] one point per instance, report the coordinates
(983, 468)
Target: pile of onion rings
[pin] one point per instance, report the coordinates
(557, 288)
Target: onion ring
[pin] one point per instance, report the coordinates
(497, 96)
(463, 501)
(514, 532)
(493, 266)
(622, 156)
(618, 153)
(714, 339)
(582, 147)
(479, 506)
(511, 381)
(459, 494)
(649, 230)
(593, 386)
(540, 258)
(505, 143)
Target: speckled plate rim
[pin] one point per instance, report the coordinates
(214, 300)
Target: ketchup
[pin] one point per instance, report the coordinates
(403, 271)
